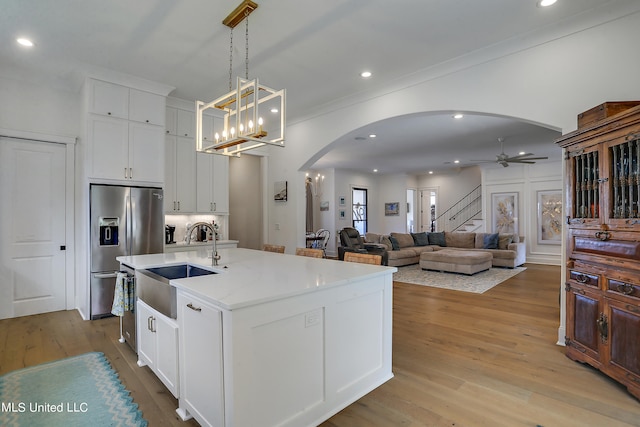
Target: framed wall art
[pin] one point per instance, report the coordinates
(504, 208)
(280, 191)
(392, 209)
(550, 217)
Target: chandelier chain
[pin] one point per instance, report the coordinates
(230, 58)
(246, 48)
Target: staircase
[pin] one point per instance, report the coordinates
(463, 215)
(472, 225)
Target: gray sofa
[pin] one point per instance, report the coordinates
(405, 248)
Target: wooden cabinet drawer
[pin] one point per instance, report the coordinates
(621, 283)
(583, 278)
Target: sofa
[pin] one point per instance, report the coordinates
(508, 250)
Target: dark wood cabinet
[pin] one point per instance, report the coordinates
(603, 246)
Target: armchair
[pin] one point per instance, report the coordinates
(352, 241)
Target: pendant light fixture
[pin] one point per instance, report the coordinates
(244, 126)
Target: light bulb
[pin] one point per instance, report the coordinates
(233, 132)
(217, 136)
(241, 128)
(251, 125)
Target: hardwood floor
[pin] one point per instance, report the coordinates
(459, 359)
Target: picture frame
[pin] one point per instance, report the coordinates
(280, 191)
(392, 209)
(504, 209)
(549, 229)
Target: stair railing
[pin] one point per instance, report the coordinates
(464, 210)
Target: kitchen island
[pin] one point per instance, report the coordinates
(277, 339)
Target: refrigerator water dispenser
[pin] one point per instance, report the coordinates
(109, 231)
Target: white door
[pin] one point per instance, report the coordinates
(32, 227)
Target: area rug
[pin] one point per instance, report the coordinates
(478, 283)
(77, 391)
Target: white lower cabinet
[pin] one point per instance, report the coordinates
(201, 378)
(158, 345)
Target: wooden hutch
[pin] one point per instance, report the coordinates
(603, 241)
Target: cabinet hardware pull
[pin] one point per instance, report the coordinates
(125, 173)
(149, 323)
(194, 308)
(130, 173)
(582, 278)
(602, 235)
(108, 113)
(211, 206)
(603, 327)
(214, 206)
(147, 121)
(174, 205)
(625, 288)
(178, 204)
(633, 308)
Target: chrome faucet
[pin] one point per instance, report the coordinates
(214, 255)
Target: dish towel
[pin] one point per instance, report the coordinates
(123, 295)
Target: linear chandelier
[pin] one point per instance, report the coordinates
(243, 127)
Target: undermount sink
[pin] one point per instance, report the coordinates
(152, 285)
(180, 271)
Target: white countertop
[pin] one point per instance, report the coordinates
(247, 277)
(196, 244)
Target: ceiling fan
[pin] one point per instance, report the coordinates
(504, 160)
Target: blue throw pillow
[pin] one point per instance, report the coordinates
(420, 239)
(394, 243)
(490, 241)
(437, 239)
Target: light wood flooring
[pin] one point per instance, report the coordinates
(459, 359)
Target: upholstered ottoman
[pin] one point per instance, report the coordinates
(456, 261)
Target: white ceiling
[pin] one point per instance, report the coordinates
(315, 50)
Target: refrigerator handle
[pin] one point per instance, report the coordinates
(129, 225)
(106, 275)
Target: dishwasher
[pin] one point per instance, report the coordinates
(128, 320)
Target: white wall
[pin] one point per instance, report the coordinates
(35, 108)
(245, 201)
(526, 181)
(546, 84)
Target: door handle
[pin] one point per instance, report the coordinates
(106, 275)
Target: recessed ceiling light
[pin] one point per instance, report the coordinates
(274, 110)
(373, 135)
(458, 116)
(456, 161)
(522, 153)
(430, 172)
(365, 74)
(25, 42)
(545, 3)
(375, 170)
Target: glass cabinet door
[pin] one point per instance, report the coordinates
(585, 194)
(623, 164)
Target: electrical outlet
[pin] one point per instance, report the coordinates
(277, 226)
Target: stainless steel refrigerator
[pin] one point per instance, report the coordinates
(124, 221)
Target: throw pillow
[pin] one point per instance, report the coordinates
(504, 240)
(386, 242)
(394, 243)
(420, 239)
(437, 239)
(490, 241)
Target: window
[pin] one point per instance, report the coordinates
(359, 209)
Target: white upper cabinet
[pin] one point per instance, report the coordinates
(109, 99)
(171, 121)
(125, 133)
(186, 123)
(146, 107)
(212, 186)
